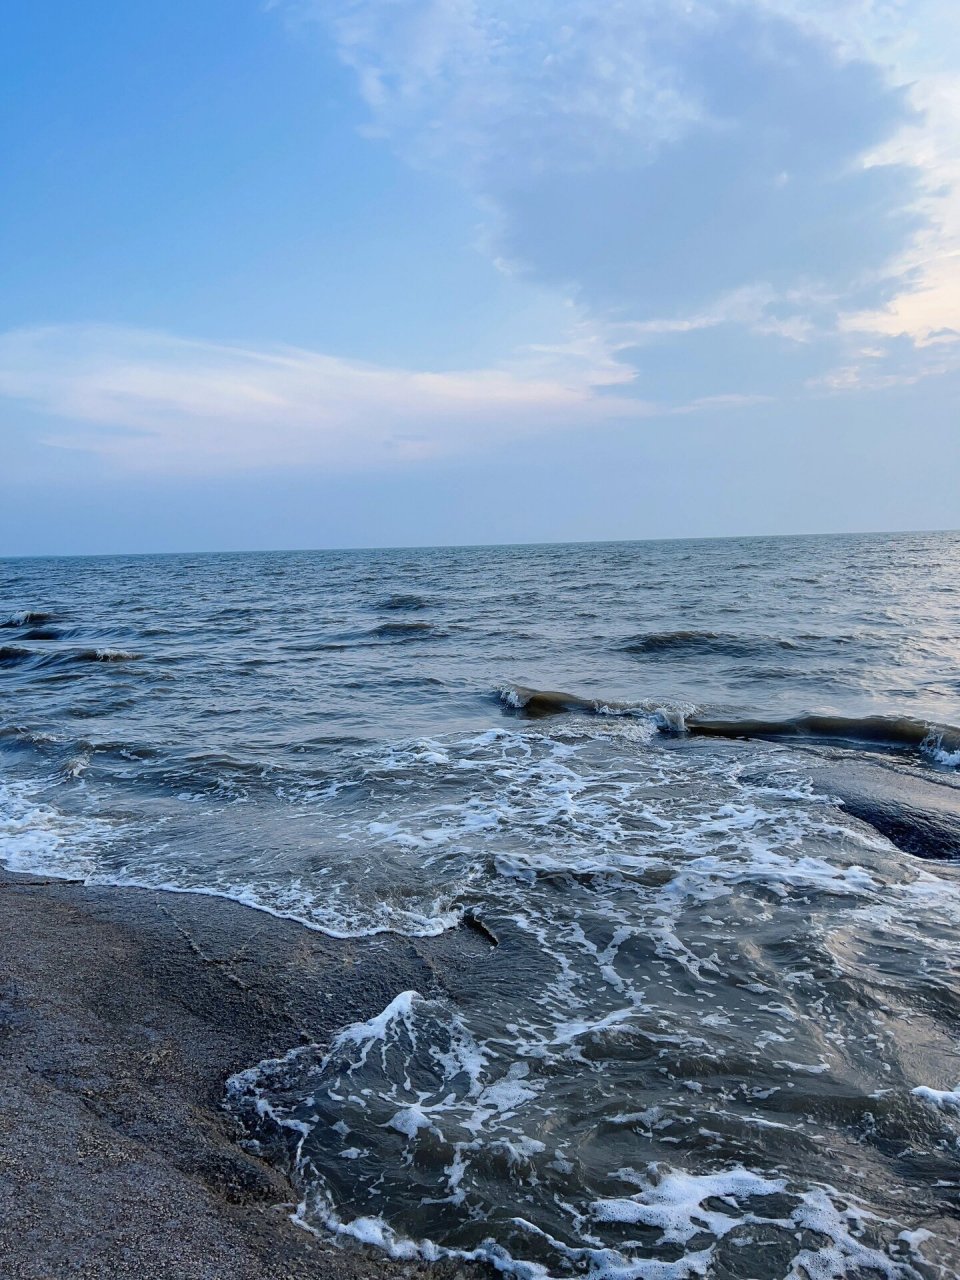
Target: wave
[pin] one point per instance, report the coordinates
(550, 702)
(104, 655)
(354, 1099)
(937, 742)
(679, 644)
(404, 630)
(398, 630)
(38, 838)
(672, 643)
(13, 655)
(23, 618)
(42, 633)
(404, 602)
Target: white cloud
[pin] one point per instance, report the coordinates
(758, 308)
(151, 402)
(500, 93)
(918, 43)
(889, 363)
(155, 402)
(653, 160)
(481, 83)
(930, 264)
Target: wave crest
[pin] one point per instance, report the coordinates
(937, 742)
(13, 655)
(24, 617)
(550, 702)
(404, 630)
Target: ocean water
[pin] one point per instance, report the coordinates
(715, 1029)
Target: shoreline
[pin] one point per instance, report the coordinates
(122, 1012)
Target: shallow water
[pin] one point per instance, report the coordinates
(717, 1034)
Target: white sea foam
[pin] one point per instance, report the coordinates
(41, 838)
(335, 913)
(678, 1210)
(370, 1067)
(37, 837)
(22, 616)
(625, 882)
(536, 805)
(612, 860)
(944, 1099)
(675, 1202)
(933, 748)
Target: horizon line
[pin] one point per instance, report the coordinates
(469, 546)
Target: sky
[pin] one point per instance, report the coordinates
(319, 273)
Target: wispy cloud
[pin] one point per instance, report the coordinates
(151, 402)
(156, 402)
(759, 309)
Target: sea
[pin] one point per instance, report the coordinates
(712, 1028)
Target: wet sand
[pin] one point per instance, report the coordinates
(122, 1012)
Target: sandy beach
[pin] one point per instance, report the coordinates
(122, 1011)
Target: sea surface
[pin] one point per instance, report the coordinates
(714, 1027)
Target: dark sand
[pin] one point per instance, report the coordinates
(122, 1011)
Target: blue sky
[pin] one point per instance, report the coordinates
(367, 272)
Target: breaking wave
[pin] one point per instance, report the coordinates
(25, 617)
(536, 703)
(938, 743)
(18, 656)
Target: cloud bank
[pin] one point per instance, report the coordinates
(655, 160)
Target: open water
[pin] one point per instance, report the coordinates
(715, 1032)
